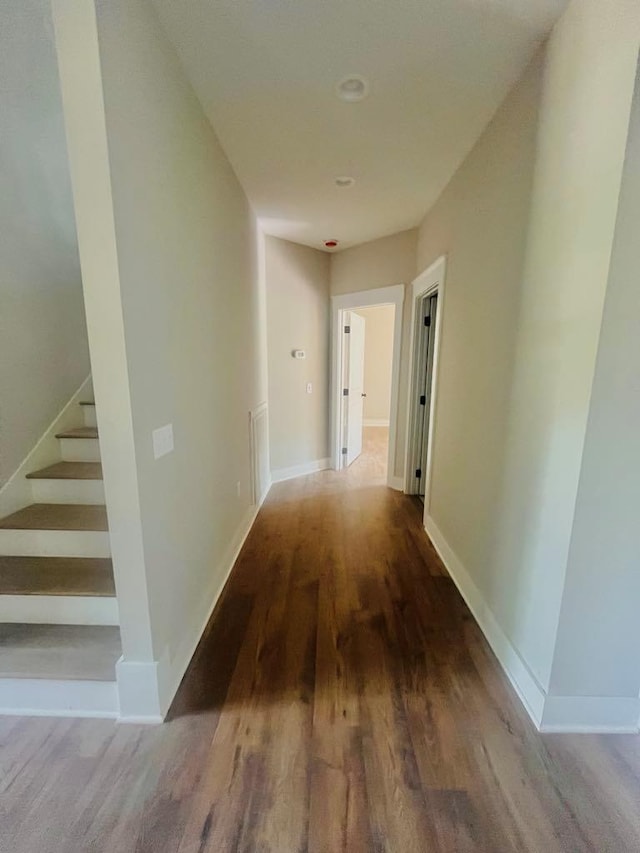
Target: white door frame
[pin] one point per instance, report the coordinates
(393, 295)
(430, 281)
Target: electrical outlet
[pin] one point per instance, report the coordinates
(162, 441)
(309, 388)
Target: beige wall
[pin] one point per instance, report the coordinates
(297, 287)
(587, 89)
(380, 263)
(527, 223)
(174, 307)
(378, 360)
(480, 223)
(44, 354)
(597, 648)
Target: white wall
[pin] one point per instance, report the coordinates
(597, 650)
(587, 89)
(378, 361)
(297, 288)
(380, 263)
(480, 223)
(43, 340)
(184, 349)
(528, 224)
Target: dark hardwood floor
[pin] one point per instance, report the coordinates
(342, 699)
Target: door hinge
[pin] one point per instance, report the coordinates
(418, 473)
(345, 392)
(423, 400)
(344, 451)
(427, 321)
(347, 330)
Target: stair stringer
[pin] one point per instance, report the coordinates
(17, 491)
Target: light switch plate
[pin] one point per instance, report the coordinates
(162, 441)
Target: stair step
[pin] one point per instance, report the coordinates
(91, 517)
(74, 576)
(59, 652)
(79, 432)
(68, 471)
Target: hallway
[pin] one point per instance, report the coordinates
(342, 699)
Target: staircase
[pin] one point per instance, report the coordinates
(59, 635)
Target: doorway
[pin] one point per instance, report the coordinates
(357, 421)
(366, 404)
(426, 323)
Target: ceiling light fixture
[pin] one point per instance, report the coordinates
(352, 88)
(344, 181)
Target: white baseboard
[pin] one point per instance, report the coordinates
(171, 672)
(570, 714)
(43, 697)
(281, 474)
(396, 483)
(591, 714)
(17, 491)
(138, 691)
(529, 691)
(375, 422)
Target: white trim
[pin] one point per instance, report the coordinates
(54, 543)
(431, 280)
(59, 609)
(591, 714)
(170, 676)
(44, 697)
(79, 449)
(147, 688)
(259, 452)
(569, 714)
(396, 483)
(138, 691)
(526, 686)
(375, 422)
(281, 474)
(67, 491)
(17, 491)
(392, 295)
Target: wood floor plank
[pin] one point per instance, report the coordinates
(58, 517)
(342, 699)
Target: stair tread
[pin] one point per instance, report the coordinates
(68, 471)
(87, 402)
(79, 432)
(77, 652)
(91, 517)
(90, 576)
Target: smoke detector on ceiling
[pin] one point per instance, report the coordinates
(330, 244)
(352, 88)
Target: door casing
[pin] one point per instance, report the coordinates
(392, 295)
(431, 281)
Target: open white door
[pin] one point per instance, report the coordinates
(354, 385)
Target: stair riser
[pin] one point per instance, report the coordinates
(54, 543)
(80, 449)
(67, 491)
(63, 698)
(59, 609)
(89, 413)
